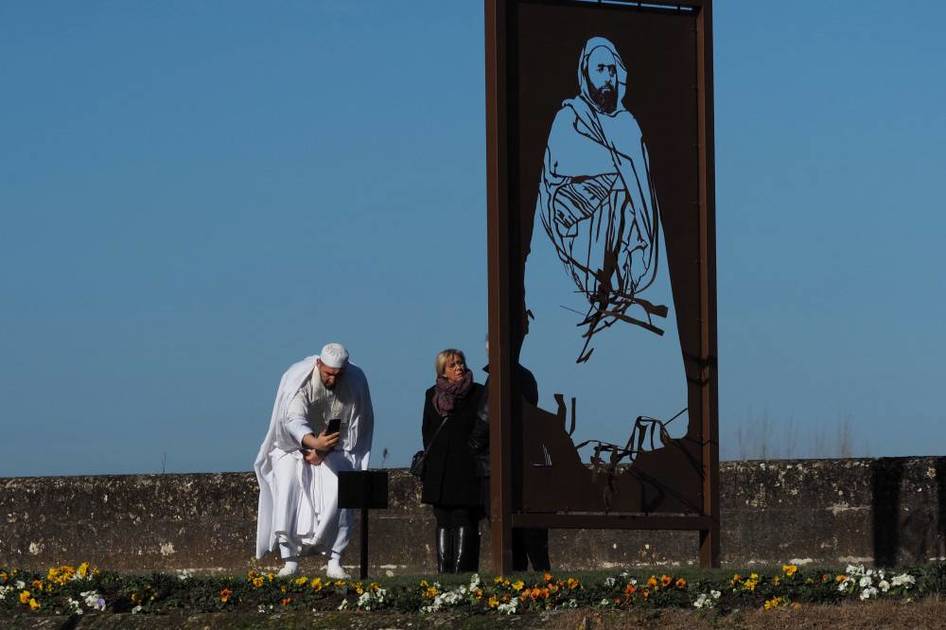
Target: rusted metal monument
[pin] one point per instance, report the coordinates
(609, 174)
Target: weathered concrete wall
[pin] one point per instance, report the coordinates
(824, 511)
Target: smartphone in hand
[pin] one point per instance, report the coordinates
(334, 426)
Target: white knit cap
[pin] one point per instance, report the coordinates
(334, 355)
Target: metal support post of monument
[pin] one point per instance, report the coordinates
(709, 389)
(500, 334)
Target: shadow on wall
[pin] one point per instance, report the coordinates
(903, 534)
(886, 476)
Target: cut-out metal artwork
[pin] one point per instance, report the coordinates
(600, 190)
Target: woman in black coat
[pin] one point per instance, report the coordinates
(450, 477)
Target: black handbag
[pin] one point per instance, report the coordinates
(417, 461)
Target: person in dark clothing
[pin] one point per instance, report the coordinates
(450, 482)
(529, 544)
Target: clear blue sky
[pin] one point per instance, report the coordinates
(196, 194)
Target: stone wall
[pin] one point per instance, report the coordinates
(830, 512)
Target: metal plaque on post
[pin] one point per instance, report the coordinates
(602, 268)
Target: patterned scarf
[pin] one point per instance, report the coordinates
(447, 393)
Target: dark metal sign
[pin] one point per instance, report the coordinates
(600, 167)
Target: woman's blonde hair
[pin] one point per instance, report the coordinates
(444, 355)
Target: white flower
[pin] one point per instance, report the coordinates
(604, 602)
(855, 570)
(343, 605)
(904, 579)
(93, 600)
(261, 609)
(843, 586)
(867, 593)
(137, 609)
(184, 574)
(715, 594)
(474, 580)
(609, 582)
(864, 582)
(20, 584)
(76, 606)
(509, 608)
(884, 585)
(572, 603)
(3, 592)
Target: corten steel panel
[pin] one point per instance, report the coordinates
(531, 56)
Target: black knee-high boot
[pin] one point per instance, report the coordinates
(468, 552)
(446, 550)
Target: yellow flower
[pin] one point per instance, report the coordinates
(34, 604)
(517, 585)
(339, 583)
(83, 570)
(492, 602)
(316, 584)
(300, 581)
(374, 587)
(258, 581)
(431, 592)
(776, 580)
(24, 597)
(775, 602)
(4, 577)
(572, 583)
(498, 579)
(790, 569)
(652, 582)
(425, 583)
(840, 578)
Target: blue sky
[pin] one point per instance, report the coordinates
(196, 194)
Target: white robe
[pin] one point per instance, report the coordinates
(298, 502)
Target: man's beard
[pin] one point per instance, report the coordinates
(606, 98)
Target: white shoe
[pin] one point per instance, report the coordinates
(288, 571)
(335, 571)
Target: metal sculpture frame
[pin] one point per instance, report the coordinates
(506, 293)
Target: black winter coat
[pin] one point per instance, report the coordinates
(450, 477)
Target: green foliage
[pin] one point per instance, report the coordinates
(66, 590)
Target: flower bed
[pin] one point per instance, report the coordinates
(67, 590)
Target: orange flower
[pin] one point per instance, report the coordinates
(630, 589)
(665, 580)
(652, 582)
(825, 578)
(548, 577)
(681, 583)
(38, 585)
(225, 595)
(34, 605)
(285, 601)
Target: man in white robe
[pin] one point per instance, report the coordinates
(298, 463)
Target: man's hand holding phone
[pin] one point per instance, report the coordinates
(327, 440)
